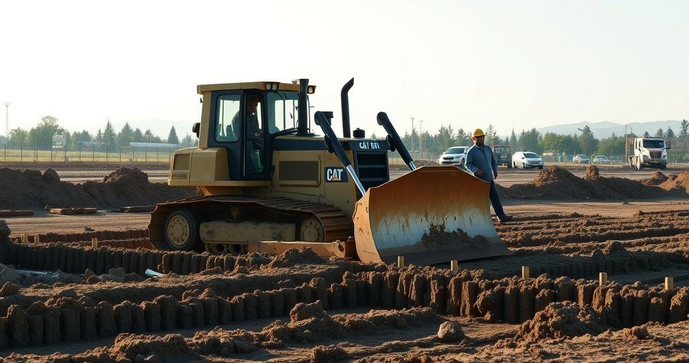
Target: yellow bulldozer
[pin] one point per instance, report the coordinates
(269, 184)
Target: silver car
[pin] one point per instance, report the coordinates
(581, 159)
(526, 159)
(454, 156)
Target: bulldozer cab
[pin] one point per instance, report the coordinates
(245, 122)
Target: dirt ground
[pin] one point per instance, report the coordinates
(263, 308)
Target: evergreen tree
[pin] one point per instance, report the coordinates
(670, 134)
(109, 137)
(588, 143)
(148, 136)
(659, 133)
(138, 135)
(125, 136)
(172, 136)
(513, 141)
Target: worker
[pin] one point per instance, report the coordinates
(254, 134)
(481, 163)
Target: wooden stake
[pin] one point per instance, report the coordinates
(525, 272)
(25, 238)
(602, 279)
(454, 265)
(94, 242)
(669, 283)
(400, 261)
(37, 238)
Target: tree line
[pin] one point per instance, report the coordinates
(532, 140)
(107, 139)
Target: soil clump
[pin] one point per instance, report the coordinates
(559, 320)
(437, 236)
(294, 256)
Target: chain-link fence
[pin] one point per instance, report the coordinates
(90, 153)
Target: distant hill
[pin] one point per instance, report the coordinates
(606, 129)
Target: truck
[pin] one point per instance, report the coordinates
(647, 152)
(503, 155)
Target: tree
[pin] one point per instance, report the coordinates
(41, 136)
(659, 133)
(646, 134)
(670, 134)
(109, 137)
(444, 139)
(187, 141)
(78, 137)
(17, 138)
(528, 141)
(613, 145)
(587, 142)
(491, 135)
(148, 136)
(138, 135)
(552, 142)
(683, 134)
(125, 136)
(513, 141)
(172, 136)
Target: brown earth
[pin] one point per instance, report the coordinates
(29, 189)
(562, 315)
(558, 183)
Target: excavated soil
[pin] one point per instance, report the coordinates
(30, 189)
(438, 237)
(299, 307)
(558, 183)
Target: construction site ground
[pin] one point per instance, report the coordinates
(297, 307)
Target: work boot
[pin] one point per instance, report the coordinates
(505, 218)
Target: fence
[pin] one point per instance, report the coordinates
(123, 154)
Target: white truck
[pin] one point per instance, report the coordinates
(647, 152)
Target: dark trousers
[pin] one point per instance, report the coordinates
(495, 201)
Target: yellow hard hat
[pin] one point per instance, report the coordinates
(478, 133)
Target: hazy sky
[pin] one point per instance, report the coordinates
(513, 64)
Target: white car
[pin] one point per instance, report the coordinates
(526, 159)
(454, 156)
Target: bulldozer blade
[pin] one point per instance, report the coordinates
(431, 215)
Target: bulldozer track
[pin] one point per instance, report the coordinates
(336, 224)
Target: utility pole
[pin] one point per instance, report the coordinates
(7, 121)
(412, 134)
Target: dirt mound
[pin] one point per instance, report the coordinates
(591, 172)
(680, 182)
(438, 237)
(294, 256)
(126, 186)
(423, 162)
(560, 320)
(143, 348)
(657, 179)
(557, 183)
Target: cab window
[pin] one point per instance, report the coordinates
(227, 108)
(282, 110)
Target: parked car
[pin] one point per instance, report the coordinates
(454, 156)
(503, 155)
(526, 159)
(601, 159)
(581, 159)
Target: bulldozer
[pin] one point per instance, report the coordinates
(270, 184)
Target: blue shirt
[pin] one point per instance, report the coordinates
(481, 158)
